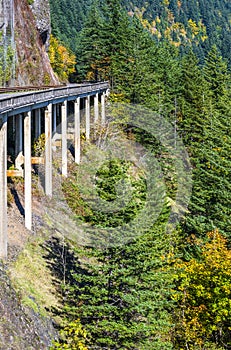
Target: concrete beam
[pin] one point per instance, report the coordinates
(38, 123)
(15, 173)
(48, 150)
(64, 138)
(19, 159)
(96, 108)
(54, 118)
(77, 130)
(87, 111)
(3, 187)
(103, 108)
(27, 171)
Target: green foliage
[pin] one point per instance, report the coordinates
(197, 24)
(39, 145)
(108, 176)
(67, 18)
(210, 151)
(122, 298)
(6, 62)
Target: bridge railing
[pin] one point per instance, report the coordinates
(8, 102)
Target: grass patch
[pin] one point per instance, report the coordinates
(32, 279)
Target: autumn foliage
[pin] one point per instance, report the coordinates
(62, 59)
(204, 295)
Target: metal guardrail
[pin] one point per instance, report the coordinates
(18, 100)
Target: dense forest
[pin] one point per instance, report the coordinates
(162, 290)
(199, 24)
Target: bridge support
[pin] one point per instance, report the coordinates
(96, 108)
(54, 118)
(19, 141)
(3, 187)
(48, 150)
(87, 108)
(77, 130)
(27, 171)
(37, 123)
(64, 138)
(103, 108)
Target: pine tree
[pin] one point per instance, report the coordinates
(216, 74)
(210, 207)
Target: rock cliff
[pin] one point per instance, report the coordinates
(41, 11)
(31, 31)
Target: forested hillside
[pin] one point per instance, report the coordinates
(169, 286)
(199, 24)
(67, 18)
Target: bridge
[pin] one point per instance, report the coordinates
(28, 113)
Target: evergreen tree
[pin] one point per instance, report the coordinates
(210, 207)
(216, 74)
(192, 104)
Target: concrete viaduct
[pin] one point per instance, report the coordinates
(29, 112)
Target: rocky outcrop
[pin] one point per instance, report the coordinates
(20, 327)
(41, 11)
(32, 62)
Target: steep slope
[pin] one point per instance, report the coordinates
(32, 64)
(199, 24)
(185, 19)
(20, 327)
(67, 18)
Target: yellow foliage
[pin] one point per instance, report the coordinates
(194, 28)
(73, 337)
(62, 59)
(204, 293)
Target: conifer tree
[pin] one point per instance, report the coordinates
(210, 208)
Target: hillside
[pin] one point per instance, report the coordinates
(209, 21)
(199, 24)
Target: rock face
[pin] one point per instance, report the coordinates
(20, 327)
(6, 17)
(33, 65)
(41, 11)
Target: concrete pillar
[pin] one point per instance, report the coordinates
(48, 150)
(3, 187)
(37, 123)
(77, 130)
(103, 108)
(19, 141)
(64, 138)
(54, 118)
(27, 171)
(87, 110)
(96, 108)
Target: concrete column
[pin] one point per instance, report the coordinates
(18, 141)
(77, 130)
(87, 110)
(3, 187)
(48, 150)
(27, 171)
(37, 123)
(103, 108)
(54, 118)
(64, 138)
(96, 108)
